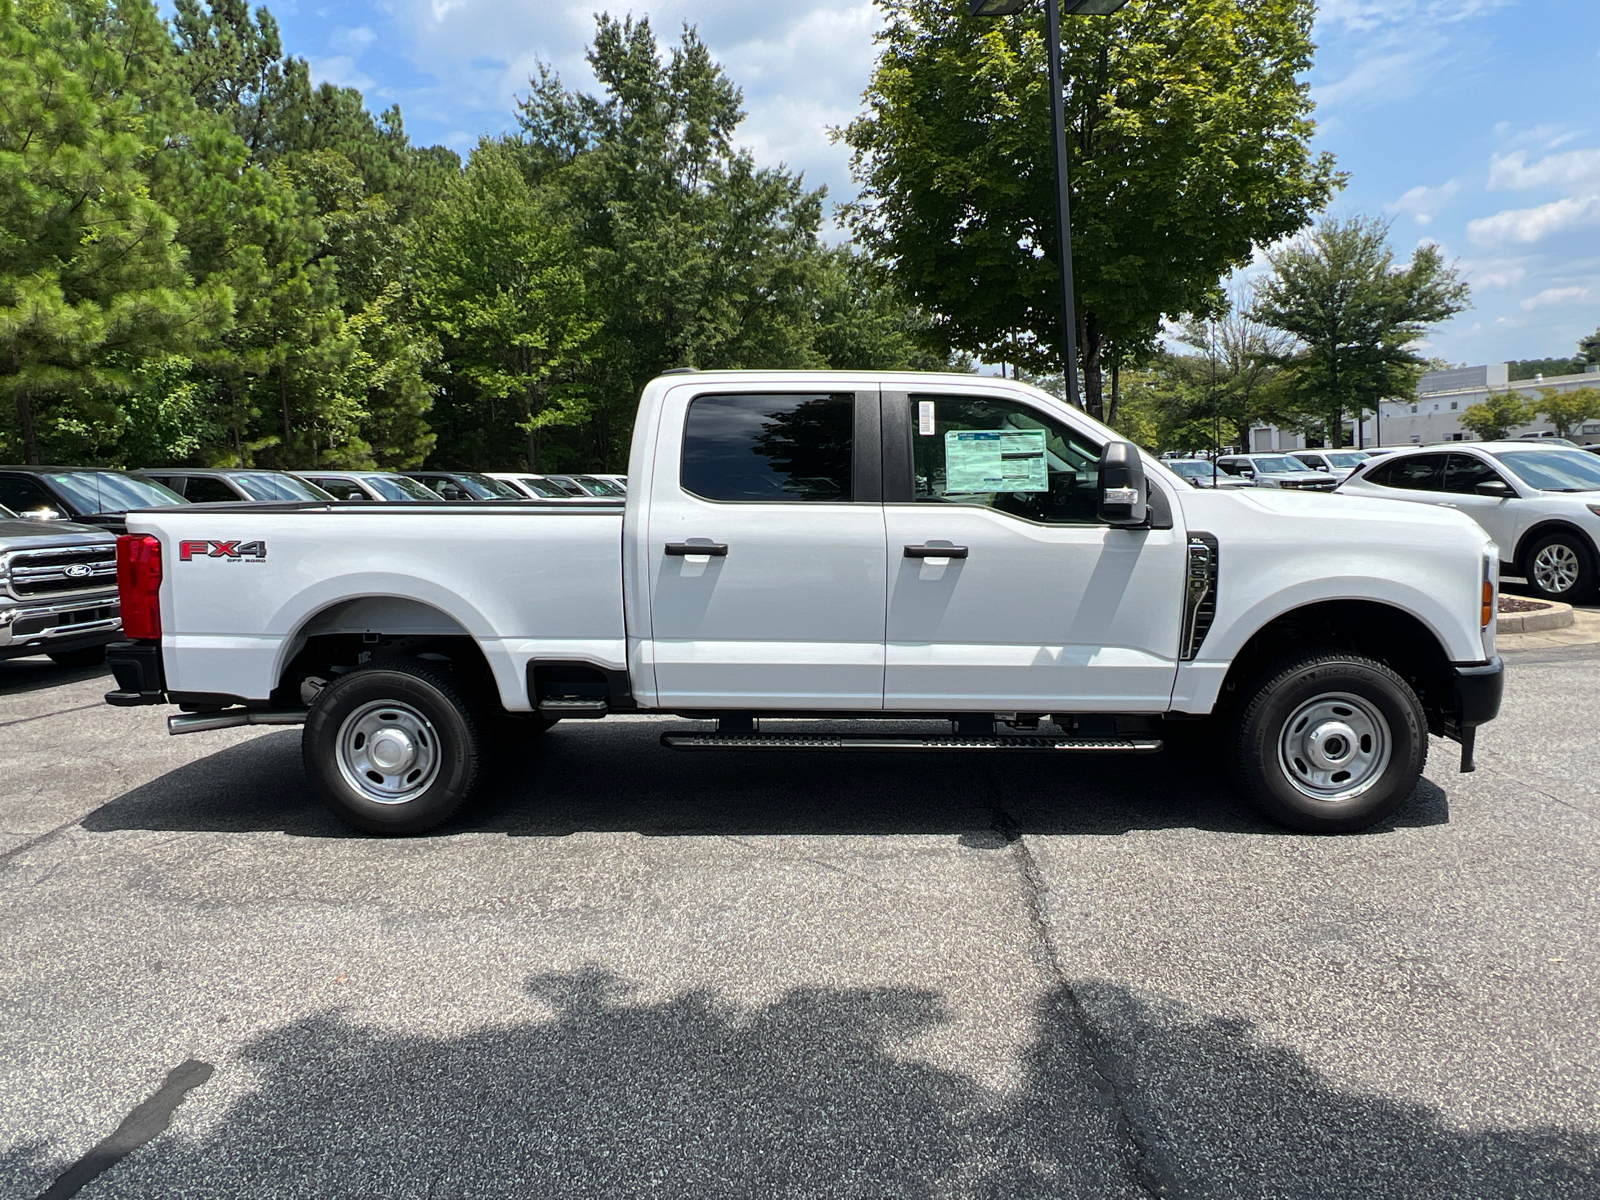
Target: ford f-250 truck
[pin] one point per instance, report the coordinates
(833, 545)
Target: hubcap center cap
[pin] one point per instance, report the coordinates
(1331, 744)
(392, 750)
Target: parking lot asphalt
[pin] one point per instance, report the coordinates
(628, 972)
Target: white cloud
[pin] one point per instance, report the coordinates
(341, 71)
(351, 41)
(1422, 204)
(1525, 225)
(1552, 297)
(1580, 168)
(1362, 15)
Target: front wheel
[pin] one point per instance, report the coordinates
(1560, 567)
(1329, 742)
(393, 748)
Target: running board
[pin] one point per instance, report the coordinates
(948, 741)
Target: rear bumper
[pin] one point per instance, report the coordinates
(64, 625)
(140, 680)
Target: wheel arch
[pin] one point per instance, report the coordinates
(1370, 628)
(1548, 526)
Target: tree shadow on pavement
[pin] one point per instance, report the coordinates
(595, 1093)
(617, 778)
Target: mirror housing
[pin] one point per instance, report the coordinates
(1495, 487)
(1121, 485)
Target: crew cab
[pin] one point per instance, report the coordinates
(851, 546)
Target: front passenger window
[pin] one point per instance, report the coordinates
(999, 454)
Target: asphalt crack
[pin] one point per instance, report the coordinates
(1141, 1158)
(144, 1123)
(46, 716)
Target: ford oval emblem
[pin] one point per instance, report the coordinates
(78, 571)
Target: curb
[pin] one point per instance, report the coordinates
(1551, 616)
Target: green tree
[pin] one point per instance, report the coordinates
(1589, 347)
(1188, 144)
(504, 291)
(94, 279)
(1496, 415)
(1567, 410)
(1355, 317)
(1527, 368)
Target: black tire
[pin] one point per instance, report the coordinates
(1338, 704)
(1554, 560)
(423, 704)
(89, 656)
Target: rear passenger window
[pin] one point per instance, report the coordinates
(340, 489)
(1415, 473)
(775, 448)
(204, 489)
(1003, 455)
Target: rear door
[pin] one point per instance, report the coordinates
(783, 607)
(1039, 606)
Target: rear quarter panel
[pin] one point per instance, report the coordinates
(523, 583)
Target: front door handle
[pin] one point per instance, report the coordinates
(681, 549)
(936, 551)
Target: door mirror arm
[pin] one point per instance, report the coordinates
(1121, 486)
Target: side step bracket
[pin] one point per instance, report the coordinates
(948, 741)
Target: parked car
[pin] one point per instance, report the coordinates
(232, 485)
(1337, 463)
(1548, 438)
(58, 590)
(381, 486)
(537, 487)
(1197, 472)
(1540, 503)
(465, 485)
(1274, 471)
(88, 495)
(952, 544)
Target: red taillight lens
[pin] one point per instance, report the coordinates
(139, 584)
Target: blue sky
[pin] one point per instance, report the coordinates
(1472, 123)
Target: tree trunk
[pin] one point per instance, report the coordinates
(1336, 429)
(1116, 393)
(283, 399)
(1091, 344)
(26, 427)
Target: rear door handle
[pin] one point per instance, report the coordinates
(714, 549)
(936, 551)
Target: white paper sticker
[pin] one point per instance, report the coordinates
(980, 461)
(925, 417)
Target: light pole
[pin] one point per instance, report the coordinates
(1058, 123)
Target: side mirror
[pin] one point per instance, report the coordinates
(43, 513)
(1121, 485)
(1323, 467)
(1495, 487)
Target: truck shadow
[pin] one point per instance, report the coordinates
(589, 1090)
(615, 777)
(19, 675)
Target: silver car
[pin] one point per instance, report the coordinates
(1337, 463)
(1274, 471)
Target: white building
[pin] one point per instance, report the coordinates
(1434, 415)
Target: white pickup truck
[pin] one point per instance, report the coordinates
(848, 546)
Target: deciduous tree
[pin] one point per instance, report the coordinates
(1496, 416)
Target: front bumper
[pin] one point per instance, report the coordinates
(65, 625)
(1479, 688)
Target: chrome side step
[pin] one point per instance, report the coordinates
(909, 741)
(229, 718)
(573, 708)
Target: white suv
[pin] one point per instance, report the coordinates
(1540, 503)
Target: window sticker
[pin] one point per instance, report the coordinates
(925, 417)
(989, 460)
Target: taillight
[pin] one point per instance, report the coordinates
(139, 584)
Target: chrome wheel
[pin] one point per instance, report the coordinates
(1334, 747)
(389, 752)
(1556, 568)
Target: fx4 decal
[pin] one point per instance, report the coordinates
(214, 549)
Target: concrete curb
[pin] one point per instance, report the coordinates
(1551, 616)
(1584, 631)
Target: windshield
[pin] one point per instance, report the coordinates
(1554, 470)
(399, 487)
(279, 487)
(541, 488)
(1350, 459)
(598, 487)
(1279, 464)
(1190, 468)
(109, 492)
(484, 488)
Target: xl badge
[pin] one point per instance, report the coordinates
(213, 549)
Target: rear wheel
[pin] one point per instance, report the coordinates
(1560, 566)
(393, 748)
(1329, 742)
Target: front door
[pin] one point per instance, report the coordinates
(1039, 606)
(766, 551)
(1497, 514)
